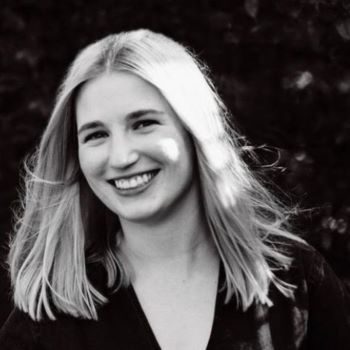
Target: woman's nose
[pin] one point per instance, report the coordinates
(123, 152)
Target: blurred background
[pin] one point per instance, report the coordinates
(282, 68)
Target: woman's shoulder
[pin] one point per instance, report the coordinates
(320, 306)
(66, 331)
(310, 273)
(310, 265)
(19, 332)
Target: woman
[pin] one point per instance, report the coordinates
(142, 227)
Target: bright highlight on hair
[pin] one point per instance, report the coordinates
(63, 228)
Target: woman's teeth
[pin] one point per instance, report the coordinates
(133, 182)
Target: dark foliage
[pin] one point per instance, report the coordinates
(282, 67)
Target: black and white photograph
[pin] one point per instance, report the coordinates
(175, 175)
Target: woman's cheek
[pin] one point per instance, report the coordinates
(92, 161)
(169, 148)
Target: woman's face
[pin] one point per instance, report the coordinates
(133, 151)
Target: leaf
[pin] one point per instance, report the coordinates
(252, 7)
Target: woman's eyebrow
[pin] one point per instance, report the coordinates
(142, 112)
(130, 116)
(90, 125)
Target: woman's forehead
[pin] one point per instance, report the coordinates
(118, 94)
(119, 97)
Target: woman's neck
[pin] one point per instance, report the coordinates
(180, 244)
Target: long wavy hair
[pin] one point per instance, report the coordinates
(61, 225)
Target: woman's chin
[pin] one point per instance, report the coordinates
(144, 215)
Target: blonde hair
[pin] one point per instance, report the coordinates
(55, 235)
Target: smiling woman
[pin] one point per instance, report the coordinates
(142, 227)
(134, 153)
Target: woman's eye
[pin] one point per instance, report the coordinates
(95, 135)
(144, 124)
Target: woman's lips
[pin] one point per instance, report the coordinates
(134, 183)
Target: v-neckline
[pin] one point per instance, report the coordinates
(147, 327)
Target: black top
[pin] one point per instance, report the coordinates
(316, 318)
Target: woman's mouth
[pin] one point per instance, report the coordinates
(130, 183)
